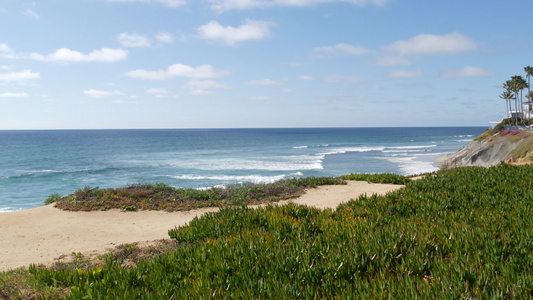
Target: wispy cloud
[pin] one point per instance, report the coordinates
(177, 70)
(67, 55)
(403, 74)
(264, 82)
(226, 5)
(340, 78)
(13, 95)
(467, 71)
(20, 76)
(250, 30)
(6, 52)
(203, 87)
(133, 40)
(306, 77)
(32, 14)
(259, 98)
(341, 49)
(164, 37)
(167, 3)
(97, 94)
(447, 44)
(5, 48)
(161, 93)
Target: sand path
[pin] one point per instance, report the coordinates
(44, 234)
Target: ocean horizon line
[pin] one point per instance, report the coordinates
(242, 128)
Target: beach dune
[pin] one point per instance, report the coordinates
(45, 234)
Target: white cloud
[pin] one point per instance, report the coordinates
(392, 61)
(250, 30)
(199, 92)
(203, 87)
(342, 48)
(97, 94)
(177, 70)
(165, 37)
(172, 3)
(6, 52)
(67, 55)
(161, 93)
(306, 78)
(5, 48)
(168, 3)
(265, 82)
(32, 14)
(402, 74)
(157, 91)
(225, 5)
(286, 90)
(133, 40)
(13, 95)
(19, 76)
(452, 43)
(467, 71)
(339, 78)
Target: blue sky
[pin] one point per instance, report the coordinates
(91, 64)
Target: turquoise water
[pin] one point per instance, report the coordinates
(35, 164)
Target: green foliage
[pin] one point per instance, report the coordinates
(379, 178)
(52, 198)
(20, 284)
(487, 133)
(161, 196)
(502, 124)
(523, 150)
(464, 233)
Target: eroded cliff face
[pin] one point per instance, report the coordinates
(491, 148)
(484, 153)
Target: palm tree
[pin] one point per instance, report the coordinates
(529, 73)
(530, 97)
(509, 86)
(507, 96)
(517, 84)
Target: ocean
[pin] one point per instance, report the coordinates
(35, 164)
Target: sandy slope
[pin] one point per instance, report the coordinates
(42, 235)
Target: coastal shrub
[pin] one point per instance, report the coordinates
(464, 233)
(161, 196)
(390, 178)
(505, 132)
(52, 198)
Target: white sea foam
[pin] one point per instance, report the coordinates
(274, 163)
(45, 171)
(246, 178)
(403, 151)
(410, 165)
(413, 147)
(236, 178)
(8, 209)
(344, 150)
(312, 146)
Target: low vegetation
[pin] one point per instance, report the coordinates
(161, 196)
(379, 178)
(460, 233)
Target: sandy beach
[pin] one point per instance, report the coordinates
(45, 234)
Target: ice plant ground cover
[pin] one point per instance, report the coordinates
(460, 233)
